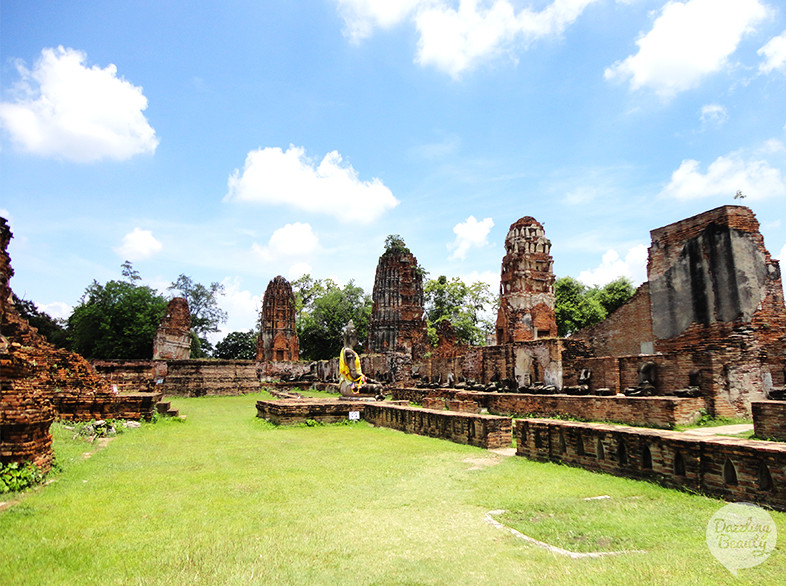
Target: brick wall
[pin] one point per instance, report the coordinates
(485, 431)
(729, 468)
(769, 419)
(131, 376)
(290, 412)
(196, 378)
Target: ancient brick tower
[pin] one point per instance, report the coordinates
(397, 323)
(278, 337)
(25, 413)
(526, 310)
(173, 337)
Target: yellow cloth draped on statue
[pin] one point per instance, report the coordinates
(343, 369)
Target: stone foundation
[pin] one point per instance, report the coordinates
(484, 431)
(729, 468)
(293, 411)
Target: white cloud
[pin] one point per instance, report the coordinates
(469, 233)
(581, 195)
(782, 254)
(57, 309)
(714, 114)
(456, 36)
(242, 308)
(361, 17)
(687, 42)
(291, 240)
(138, 245)
(774, 53)
(299, 269)
(613, 266)
(64, 109)
(756, 178)
(273, 176)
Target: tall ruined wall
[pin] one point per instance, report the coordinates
(526, 310)
(715, 290)
(397, 323)
(173, 337)
(278, 339)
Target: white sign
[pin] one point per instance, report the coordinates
(354, 415)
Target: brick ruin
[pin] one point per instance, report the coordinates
(710, 317)
(41, 382)
(278, 341)
(173, 337)
(397, 323)
(526, 308)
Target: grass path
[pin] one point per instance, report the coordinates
(225, 498)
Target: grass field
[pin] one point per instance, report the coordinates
(226, 498)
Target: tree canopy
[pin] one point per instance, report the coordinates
(323, 309)
(116, 320)
(237, 346)
(53, 329)
(461, 304)
(206, 315)
(578, 306)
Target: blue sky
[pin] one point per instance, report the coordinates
(234, 141)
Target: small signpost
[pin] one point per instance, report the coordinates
(354, 415)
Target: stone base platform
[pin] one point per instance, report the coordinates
(769, 419)
(293, 411)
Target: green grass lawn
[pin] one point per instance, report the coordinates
(225, 498)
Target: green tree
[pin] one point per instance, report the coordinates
(206, 315)
(116, 320)
(53, 329)
(237, 346)
(324, 309)
(578, 306)
(461, 304)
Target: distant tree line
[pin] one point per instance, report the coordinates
(119, 319)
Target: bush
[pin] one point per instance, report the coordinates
(15, 476)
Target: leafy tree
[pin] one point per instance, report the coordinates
(577, 306)
(237, 346)
(614, 295)
(116, 320)
(206, 315)
(461, 304)
(394, 244)
(324, 309)
(53, 329)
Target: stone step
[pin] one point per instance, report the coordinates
(163, 406)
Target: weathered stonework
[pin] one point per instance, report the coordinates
(730, 468)
(173, 337)
(484, 431)
(526, 310)
(25, 414)
(197, 378)
(397, 323)
(278, 339)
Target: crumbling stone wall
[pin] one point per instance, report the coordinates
(197, 378)
(25, 414)
(397, 323)
(132, 376)
(278, 339)
(526, 310)
(173, 337)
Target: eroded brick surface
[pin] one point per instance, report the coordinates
(278, 341)
(173, 337)
(526, 310)
(397, 323)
